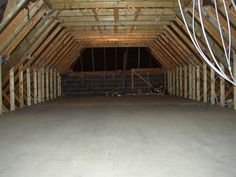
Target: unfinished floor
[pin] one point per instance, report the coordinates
(119, 137)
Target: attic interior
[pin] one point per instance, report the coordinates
(117, 88)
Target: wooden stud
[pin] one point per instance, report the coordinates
(39, 86)
(204, 82)
(171, 84)
(198, 83)
(186, 81)
(12, 89)
(213, 96)
(58, 84)
(35, 87)
(43, 83)
(190, 81)
(234, 66)
(194, 82)
(55, 84)
(177, 81)
(28, 87)
(222, 88)
(1, 104)
(21, 86)
(174, 86)
(168, 81)
(51, 84)
(181, 81)
(47, 84)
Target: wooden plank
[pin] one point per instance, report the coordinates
(12, 89)
(47, 84)
(39, 86)
(194, 82)
(1, 104)
(21, 86)
(181, 81)
(55, 84)
(234, 66)
(35, 87)
(198, 83)
(177, 81)
(43, 83)
(51, 84)
(222, 88)
(58, 84)
(213, 87)
(28, 87)
(204, 82)
(190, 81)
(171, 84)
(186, 81)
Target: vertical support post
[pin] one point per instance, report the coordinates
(204, 82)
(177, 81)
(222, 88)
(186, 81)
(190, 81)
(168, 81)
(213, 87)
(51, 84)
(12, 90)
(234, 70)
(198, 83)
(43, 84)
(181, 81)
(1, 105)
(28, 87)
(21, 86)
(194, 82)
(174, 86)
(58, 84)
(55, 84)
(171, 84)
(47, 84)
(39, 86)
(35, 87)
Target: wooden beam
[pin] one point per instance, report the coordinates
(177, 81)
(174, 82)
(21, 86)
(234, 66)
(213, 96)
(39, 85)
(1, 103)
(51, 84)
(35, 86)
(55, 84)
(198, 83)
(190, 80)
(43, 83)
(204, 82)
(28, 87)
(222, 88)
(12, 89)
(194, 82)
(185, 81)
(47, 84)
(181, 81)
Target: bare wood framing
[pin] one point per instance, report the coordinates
(194, 82)
(177, 81)
(198, 83)
(12, 89)
(204, 82)
(181, 81)
(186, 81)
(51, 84)
(213, 86)
(28, 87)
(222, 88)
(47, 84)
(35, 87)
(234, 57)
(21, 86)
(39, 86)
(190, 80)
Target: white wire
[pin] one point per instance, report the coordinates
(200, 51)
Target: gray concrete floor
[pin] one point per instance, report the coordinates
(118, 137)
